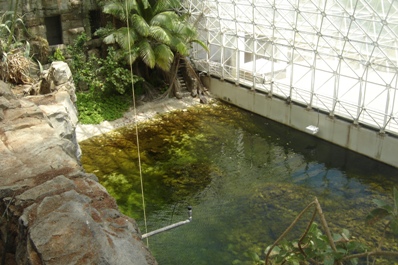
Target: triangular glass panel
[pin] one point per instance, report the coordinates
(230, 41)
(352, 51)
(330, 46)
(350, 91)
(282, 53)
(359, 34)
(263, 15)
(226, 10)
(324, 83)
(305, 41)
(375, 97)
(335, 26)
(301, 76)
(303, 57)
(215, 37)
(327, 63)
(308, 22)
(213, 24)
(244, 13)
(283, 36)
(375, 76)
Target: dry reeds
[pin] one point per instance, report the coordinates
(14, 68)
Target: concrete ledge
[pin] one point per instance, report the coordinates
(357, 138)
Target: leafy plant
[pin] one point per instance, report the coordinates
(99, 74)
(81, 70)
(387, 211)
(57, 56)
(11, 29)
(95, 108)
(14, 50)
(151, 36)
(317, 247)
(116, 76)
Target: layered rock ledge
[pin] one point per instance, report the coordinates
(51, 211)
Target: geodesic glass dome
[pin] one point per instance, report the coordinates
(338, 56)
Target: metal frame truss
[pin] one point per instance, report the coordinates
(338, 56)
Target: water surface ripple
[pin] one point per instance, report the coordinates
(246, 177)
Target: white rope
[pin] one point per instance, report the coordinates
(136, 123)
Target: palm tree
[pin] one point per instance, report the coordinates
(154, 34)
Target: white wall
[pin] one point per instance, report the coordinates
(381, 147)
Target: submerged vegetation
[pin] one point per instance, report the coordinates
(177, 159)
(245, 188)
(168, 160)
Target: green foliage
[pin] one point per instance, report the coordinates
(80, 68)
(154, 34)
(387, 211)
(95, 108)
(14, 49)
(12, 29)
(315, 248)
(57, 56)
(99, 74)
(116, 77)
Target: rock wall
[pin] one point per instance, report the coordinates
(73, 14)
(51, 211)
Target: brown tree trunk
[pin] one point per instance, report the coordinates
(191, 78)
(173, 75)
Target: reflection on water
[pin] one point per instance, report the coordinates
(246, 177)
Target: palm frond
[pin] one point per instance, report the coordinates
(184, 31)
(164, 19)
(202, 44)
(182, 48)
(132, 55)
(179, 45)
(164, 57)
(165, 5)
(140, 25)
(122, 37)
(160, 34)
(147, 54)
(143, 8)
(145, 4)
(103, 32)
(116, 9)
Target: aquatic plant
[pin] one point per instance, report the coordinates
(245, 189)
(385, 210)
(323, 247)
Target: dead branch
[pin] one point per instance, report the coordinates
(318, 210)
(288, 230)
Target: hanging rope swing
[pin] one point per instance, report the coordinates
(146, 235)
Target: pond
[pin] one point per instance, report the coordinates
(246, 177)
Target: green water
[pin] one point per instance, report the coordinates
(246, 177)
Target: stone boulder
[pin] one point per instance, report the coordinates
(57, 78)
(51, 211)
